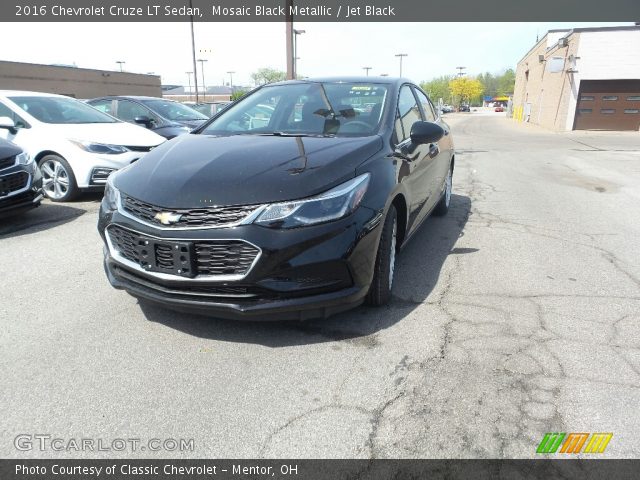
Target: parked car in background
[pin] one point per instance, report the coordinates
(499, 108)
(164, 117)
(75, 146)
(290, 217)
(209, 108)
(447, 108)
(20, 180)
(464, 108)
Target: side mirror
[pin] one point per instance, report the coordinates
(144, 120)
(7, 123)
(426, 132)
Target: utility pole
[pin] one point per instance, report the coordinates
(460, 71)
(189, 77)
(193, 52)
(204, 87)
(295, 51)
(231, 80)
(401, 55)
(120, 62)
(289, 41)
(367, 69)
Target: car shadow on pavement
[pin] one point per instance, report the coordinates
(418, 269)
(47, 215)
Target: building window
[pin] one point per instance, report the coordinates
(631, 110)
(607, 111)
(587, 98)
(610, 98)
(584, 110)
(634, 98)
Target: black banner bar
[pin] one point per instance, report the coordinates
(318, 10)
(317, 469)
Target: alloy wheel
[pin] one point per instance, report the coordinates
(55, 179)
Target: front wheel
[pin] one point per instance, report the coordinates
(58, 182)
(380, 289)
(443, 205)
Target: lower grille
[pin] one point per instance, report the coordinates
(187, 258)
(7, 162)
(238, 292)
(13, 183)
(99, 175)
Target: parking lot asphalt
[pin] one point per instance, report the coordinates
(516, 315)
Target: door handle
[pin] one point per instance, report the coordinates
(434, 150)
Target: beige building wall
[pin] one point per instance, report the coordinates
(544, 97)
(76, 82)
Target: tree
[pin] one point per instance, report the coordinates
(507, 83)
(465, 88)
(438, 88)
(237, 95)
(267, 75)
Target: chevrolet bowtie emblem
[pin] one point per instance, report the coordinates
(167, 218)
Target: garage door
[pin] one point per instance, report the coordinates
(608, 105)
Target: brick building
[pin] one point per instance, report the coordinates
(581, 79)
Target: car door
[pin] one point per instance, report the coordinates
(444, 148)
(418, 160)
(127, 111)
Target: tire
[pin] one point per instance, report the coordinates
(380, 289)
(443, 205)
(58, 182)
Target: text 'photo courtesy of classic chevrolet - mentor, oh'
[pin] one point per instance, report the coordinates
(289, 204)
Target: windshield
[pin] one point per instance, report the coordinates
(59, 110)
(174, 111)
(305, 109)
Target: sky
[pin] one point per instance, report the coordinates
(325, 49)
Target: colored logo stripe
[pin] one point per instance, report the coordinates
(574, 443)
(598, 442)
(550, 442)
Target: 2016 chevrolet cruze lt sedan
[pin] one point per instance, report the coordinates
(293, 211)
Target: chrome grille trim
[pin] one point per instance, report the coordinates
(253, 212)
(165, 276)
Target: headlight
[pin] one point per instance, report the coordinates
(111, 194)
(24, 158)
(93, 147)
(331, 205)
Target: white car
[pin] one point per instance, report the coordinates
(75, 145)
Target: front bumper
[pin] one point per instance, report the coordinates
(301, 273)
(91, 170)
(24, 198)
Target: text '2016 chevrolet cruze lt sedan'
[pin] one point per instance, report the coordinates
(290, 204)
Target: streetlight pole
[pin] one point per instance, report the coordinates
(120, 62)
(204, 85)
(401, 55)
(367, 70)
(460, 71)
(189, 77)
(295, 51)
(231, 80)
(289, 40)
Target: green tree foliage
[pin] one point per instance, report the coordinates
(507, 82)
(267, 75)
(498, 85)
(237, 95)
(438, 88)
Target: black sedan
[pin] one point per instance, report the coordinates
(290, 204)
(20, 179)
(164, 117)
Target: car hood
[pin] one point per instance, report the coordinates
(119, 133)
(195, 170)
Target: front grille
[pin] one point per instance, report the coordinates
(229, 258)
(13, 183)
(192, 217)
(138, 149)
(7, 162)
(184, 258)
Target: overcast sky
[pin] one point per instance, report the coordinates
(433, 49)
